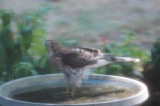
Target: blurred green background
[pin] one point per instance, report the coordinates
(123, 28)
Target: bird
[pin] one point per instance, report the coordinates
(75, 62)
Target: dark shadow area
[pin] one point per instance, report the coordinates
(57, 95)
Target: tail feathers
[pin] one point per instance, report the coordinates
(110, 59)
(127, 59)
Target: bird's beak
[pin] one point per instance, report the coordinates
(46, 42)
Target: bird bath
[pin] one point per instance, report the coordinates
(97, 90)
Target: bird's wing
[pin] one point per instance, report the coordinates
(79, 57)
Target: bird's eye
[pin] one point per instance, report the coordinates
(52, 43)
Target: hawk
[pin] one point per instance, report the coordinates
(75, 62)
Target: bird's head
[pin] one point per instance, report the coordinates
(52, 45)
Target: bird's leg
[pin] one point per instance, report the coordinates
(73, 91)
(67, 89)
(67, 79)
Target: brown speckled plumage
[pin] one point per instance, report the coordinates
(74, 62)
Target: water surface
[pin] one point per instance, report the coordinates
(86, 94)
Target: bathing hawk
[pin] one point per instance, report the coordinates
(75, 62)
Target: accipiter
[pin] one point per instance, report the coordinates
(74, 62)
